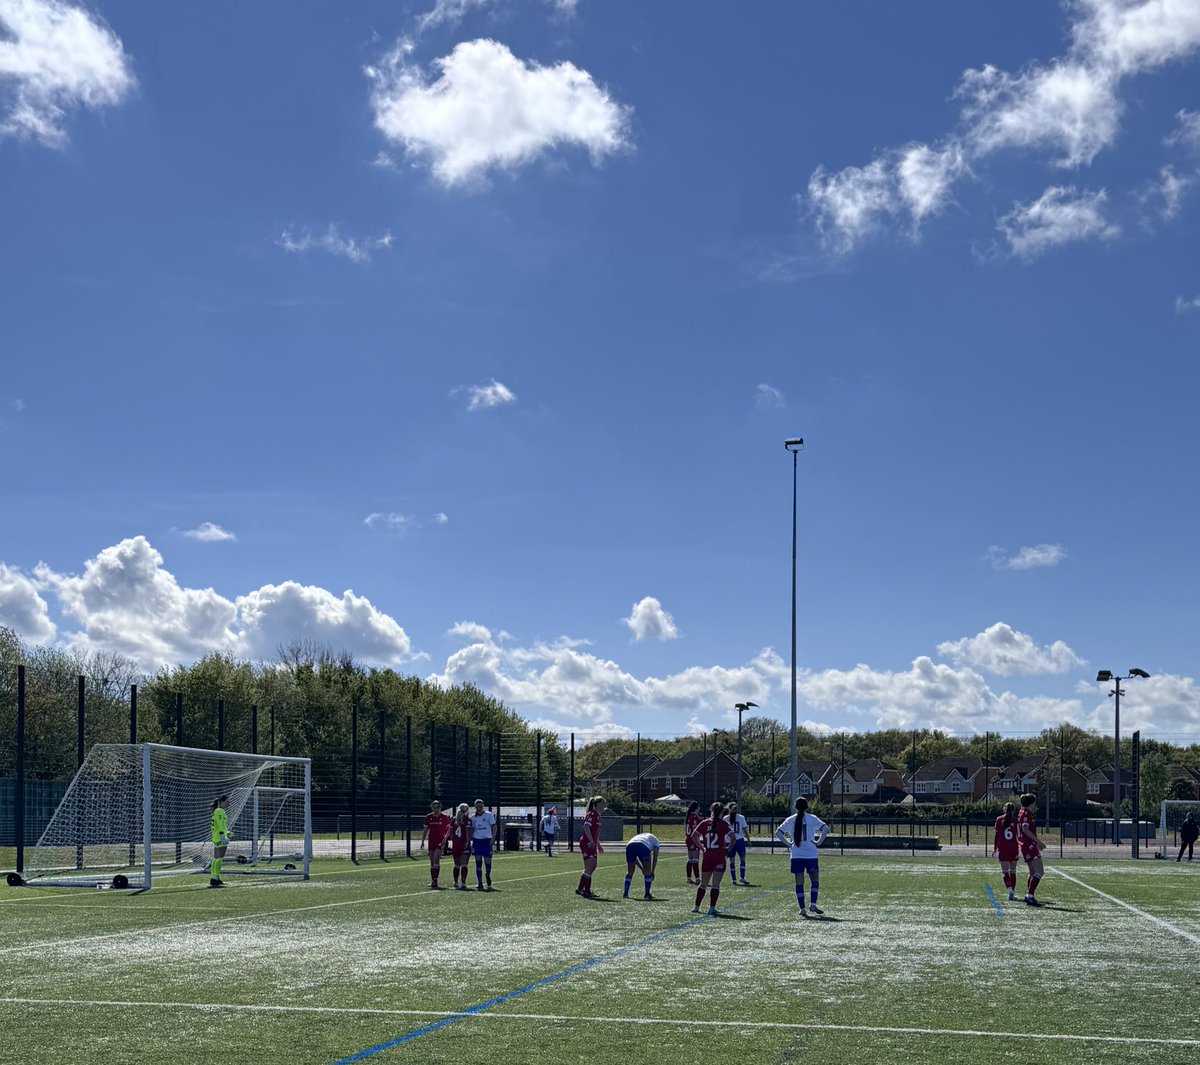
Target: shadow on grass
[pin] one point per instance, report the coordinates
(730, 916)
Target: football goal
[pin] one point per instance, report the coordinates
(1174, 811)
(135, 812)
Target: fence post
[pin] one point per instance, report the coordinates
(843, 776)
(1137, 792)
(432, 759)
(467, 759)
(1062, 786)
(571, 800)
(133, 713)
(179, 720)
(254, 729)
(354, 781)
(637, 804)
(408, 786)
(19, 812)
(382, 782)
(499, 781)
(220, 724)
(79, 744)
(536, 835)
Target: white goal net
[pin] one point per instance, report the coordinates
(1174, 813)
(138, 811)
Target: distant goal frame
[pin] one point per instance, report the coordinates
(1164, 829)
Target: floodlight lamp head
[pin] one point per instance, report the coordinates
(795, 444)
(1104, 676)
(1138, 673)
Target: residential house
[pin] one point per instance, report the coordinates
(1100, 784)
(813, 780)
(622, 775)
(1185, 782)
(954, 779)
(868, 781)
(695, 775)
(1040, 775)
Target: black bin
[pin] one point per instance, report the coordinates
(512, 837)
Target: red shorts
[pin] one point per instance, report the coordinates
(588, 850)
(460, 852)
(1029, 853)
(1006, 854)
(712, 862)
(436, 845)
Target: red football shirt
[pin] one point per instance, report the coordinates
(1006, 839)
(460, 834)
(592, 818)
(692, 821)
(1025, 817)
(714, 836)
(437, 825)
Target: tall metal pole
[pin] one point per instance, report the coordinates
(382, 783)
(571, 800)
(1116, 803)
(220, 724)
(19, 790)
(354, 781)
(738, 791)
(254, 729)
(637, 801)
(133, 713)
(408, 786)
(793, 768)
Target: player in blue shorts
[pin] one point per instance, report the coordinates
(741, 832)
(483, 827)
(642, 851)
(804, 833)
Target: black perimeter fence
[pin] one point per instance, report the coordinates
(370, 795)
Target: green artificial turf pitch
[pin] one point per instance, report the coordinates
(913, 964)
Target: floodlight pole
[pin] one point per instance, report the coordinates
(741, 708)
(793, 445)
(1104, 676)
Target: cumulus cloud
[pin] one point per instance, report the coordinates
(332, 242)
(22, 607)
(209, 532)
(1069, 107)
(493, 394)
(390, 521)
(127, 602)
(485, 110)
(1059, 216)
(1005, 652)
(440, 518)
(1187, 131)
(649, 621)
(1028, 557)
(1165, 704)
(56, 58)
(1187, 305)
(584, 690)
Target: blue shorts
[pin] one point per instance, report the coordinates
(482, 847)
(739, 847)
(805, 865)
(548, 836)
(634, 851)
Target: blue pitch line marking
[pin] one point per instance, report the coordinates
(435, 1026)
(992, 896)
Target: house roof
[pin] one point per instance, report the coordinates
(688, 765)
(626, 767)
(867, 769)
(1185, 772)
(942, 768)
(1023, 767)
(815, 771)
(1104, 775)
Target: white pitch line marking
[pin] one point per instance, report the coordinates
(226, 1007)
(227, 918)
(1132, 909)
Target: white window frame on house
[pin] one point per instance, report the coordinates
(667, 784)
(1093, 789)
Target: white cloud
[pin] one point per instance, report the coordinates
(209, 532)
(488, 110)
(769, 396)
(1070, 107)
(1186, 306)
(585, 690)
(127, 601)
(440, 519)
(1028, 557)
(22, 607)
(276, 614)
(1060, 215)
(334, 243)
(452, 12)
(1164, 705)
(1187, 131)
(390, 521)
(55, 58)
(649, 621)
(1167, 190)
(493, 394)
(1005, 652)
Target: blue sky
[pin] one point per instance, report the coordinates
(466, 334)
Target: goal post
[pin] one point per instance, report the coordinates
(135, 812)
(1174, 811)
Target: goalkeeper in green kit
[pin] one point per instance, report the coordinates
(220, 839)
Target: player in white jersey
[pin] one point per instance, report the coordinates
(642, 850)
(804, 833)
(483, 826)
(741, 833)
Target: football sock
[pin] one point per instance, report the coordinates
(649, 880)
(585, 882)
(800, 895)
(712, 896)
(489, 873)
(699, 896)
(628, 881)
(434, 873)
(216, 869)
(743, 864)
(1031, 888)
(479, 871)
(812, 894)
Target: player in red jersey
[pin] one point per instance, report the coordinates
(693, 862)
(1031, 846)
(1006, 847)
(460, 844)
(713, 835)
(589, 845)
(437, 828)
